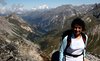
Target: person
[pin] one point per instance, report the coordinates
(76, 50)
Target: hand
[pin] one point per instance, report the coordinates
(85, 59)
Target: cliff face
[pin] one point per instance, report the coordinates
(93, 30)
(13, 43)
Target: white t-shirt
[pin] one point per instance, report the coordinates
(76, 46)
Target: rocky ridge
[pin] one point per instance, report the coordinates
(92, 57)
(13, 43)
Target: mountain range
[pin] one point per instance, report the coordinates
(48, 19)
(41, 30)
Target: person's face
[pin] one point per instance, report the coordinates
(77, 29)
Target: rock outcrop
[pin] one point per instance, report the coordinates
(13, 43)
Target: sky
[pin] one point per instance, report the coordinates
(32, 4)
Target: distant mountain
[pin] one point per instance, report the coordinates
(47, 20)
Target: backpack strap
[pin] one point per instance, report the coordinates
(84, 37)
(68, 43)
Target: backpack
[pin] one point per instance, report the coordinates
(69, 32)
(55, 55)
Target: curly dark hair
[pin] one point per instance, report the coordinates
(78, 21)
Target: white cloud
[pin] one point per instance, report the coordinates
(5, 10)
(2, 10)
(34, 9)
(18, 8)
(43, 6)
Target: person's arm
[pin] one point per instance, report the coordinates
(85, 46)
(62, 47)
